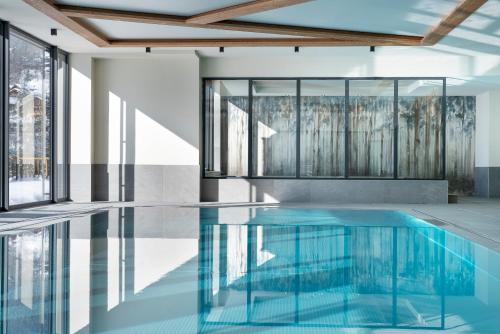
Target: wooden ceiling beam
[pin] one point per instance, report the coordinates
(74, 24)
(247, 8)
(367, 38)
(239, 42)
(463, 10)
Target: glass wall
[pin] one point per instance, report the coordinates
(371, 117)
(34, 111)
(325, 128)
(420, 129)
(322, 128)
(274, 127)
(226, 127)
(29, 121)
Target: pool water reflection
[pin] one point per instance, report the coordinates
(225, 270)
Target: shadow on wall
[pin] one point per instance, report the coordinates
(118, 144)
(145, 127)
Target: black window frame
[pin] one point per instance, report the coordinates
(6, 30)
(346, 175)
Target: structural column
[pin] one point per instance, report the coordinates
(487, 171)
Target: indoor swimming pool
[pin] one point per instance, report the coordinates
(247, 270)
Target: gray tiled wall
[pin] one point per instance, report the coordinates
(325, 191)
(179, 184)
(80, 182)
(487, 181)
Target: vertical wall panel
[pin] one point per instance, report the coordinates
(371, 118)
(322, 122)
(460, 143)
(274, 112)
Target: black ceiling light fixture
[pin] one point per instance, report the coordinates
(221, 49)
(148, 49)
(53, 32)
(297, 49)
(372, 49)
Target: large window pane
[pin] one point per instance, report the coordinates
(274, 127)
(226, 128)
(371, 119)
(420, 129)
(62, 81)
(29, 122)
(322, 134)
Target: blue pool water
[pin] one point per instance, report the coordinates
(250, 270)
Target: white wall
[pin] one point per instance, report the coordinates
(363, 63)
(147, 110)
(487, 134)
(81, 126)
(135, 127)
(467, 74)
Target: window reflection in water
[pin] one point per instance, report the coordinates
(333, 276)
(28, 282)
(167, 270)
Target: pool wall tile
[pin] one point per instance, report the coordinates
(487, 181)
(325, 191)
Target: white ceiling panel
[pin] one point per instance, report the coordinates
(385, 16)
(126, 30)
(174, 7)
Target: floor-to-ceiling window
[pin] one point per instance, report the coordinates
(62, 128)
(34, 94)
(3, 106)
(29, 121)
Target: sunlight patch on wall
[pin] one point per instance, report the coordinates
(81, 120)
(114, 122)
(157, 145)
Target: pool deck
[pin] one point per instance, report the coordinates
(476, 219)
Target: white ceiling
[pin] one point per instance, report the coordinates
(174, 7)
(478, 35)
(124, 30)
